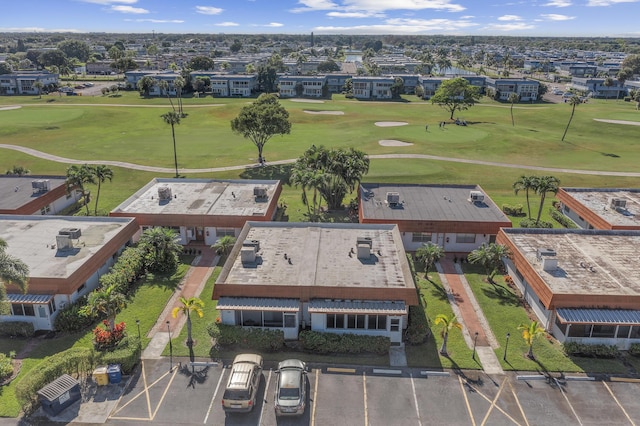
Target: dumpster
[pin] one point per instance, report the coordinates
(114, 372)
(100, 376)
(59, 394)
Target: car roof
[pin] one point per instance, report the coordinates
(249, 358)
(291, 363)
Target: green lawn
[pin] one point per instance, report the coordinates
(504, 312)
(146, 305)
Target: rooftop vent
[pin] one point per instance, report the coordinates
(248, 254)
(73, 233)
(545, 252)
(252, 243)
(40, 185)
(549, 263)
(476, 196)
(618, 203)
(64, 242)
(393, 198)
(260, 192)
(164, 193)
(364, 245)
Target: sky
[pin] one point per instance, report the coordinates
(586, 18)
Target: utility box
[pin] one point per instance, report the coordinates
(100, 376)
(59, 394)
(115, 373)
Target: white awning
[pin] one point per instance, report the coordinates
(599, 316)
(29, 298)
(257, 304)
(377, 308)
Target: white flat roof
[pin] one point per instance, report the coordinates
(32, 239)
(598, 200)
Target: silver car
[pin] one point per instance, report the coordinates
(291, 388)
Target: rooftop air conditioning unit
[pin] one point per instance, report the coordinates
(252, 243)
(260, 192)
(476, 196)
(164, 193)
(393, 198)
(549, 264)
(248, 254)
(40, 185)
(365, 240)
(73, 233)
(545, 252)
(618, 203)
(64, 242)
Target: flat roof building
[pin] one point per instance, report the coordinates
(326, 276)
(65, 256)
(202, 210)
(26, 195)
(601, 208)
(459, 218)
(583, 285)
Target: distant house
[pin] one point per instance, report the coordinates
(372, 87)
(202, 210)
(430, 85)
(601, 208)
(335, 82)
(526, 89)
(132, 78)
(66, 257)
(99, 68)
(230, 85)
(24, 82)
(459, 218)
(39, 195)
(596, 87)
(311, 86)
(329, 277)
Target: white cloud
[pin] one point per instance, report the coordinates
(227, 24)
(608, 2)
(509, 27)
(558, 3)
(157, 21)
(403, 26)
(372, 6)
(208, 10)
(109, 2)
(355, 15)
(274, 24)
(38, 30)
(509, 18)
(555, 17)
(129, 9)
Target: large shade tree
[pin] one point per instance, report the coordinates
(262, 120)
(13, 271)
(456, 94)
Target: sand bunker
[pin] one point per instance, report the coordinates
(324, 112)
(309, 101)
(632, 123)
(10, 107)
(391, 142)
(390, 123)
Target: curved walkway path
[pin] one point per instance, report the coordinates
(51, 157)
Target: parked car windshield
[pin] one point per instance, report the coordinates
(289, 393)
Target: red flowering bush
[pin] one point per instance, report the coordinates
(105, 338)
(509, 280)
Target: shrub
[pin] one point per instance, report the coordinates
(591, 351)
(634, 349)
(104, 338)
(324, 343)
(126, 353)
(510, 210)
(6, 367)
(418, 329)
(562, 219)
(531, 223)
(246, 338)
(16, 329)
(72, 318)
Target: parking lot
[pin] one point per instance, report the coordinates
(370, 396)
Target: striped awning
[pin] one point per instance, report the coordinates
(378, 308)
(599, 316)
(29, 298)
(258, 304)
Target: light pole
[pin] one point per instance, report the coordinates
(170, 348)
(506, 345)
(138, 324)
(475, 341)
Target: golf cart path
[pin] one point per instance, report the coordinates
(126, 165)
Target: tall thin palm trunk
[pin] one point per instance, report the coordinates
(175, 152)
(569, 123)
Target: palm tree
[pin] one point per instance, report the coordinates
(513, 98)
(179, 83)
(544, 185)
(161, 248)
(429, 254)
(80, 176)
(526, 183)
(38, 85)
(172, 118)
(192, 304)
(529, 333)
(106, 301)
(574, 101)
(101, 173)
(164, 87)
(224, 244)
(490, 257)
(12, 271)
(608, 82)
(448, 323)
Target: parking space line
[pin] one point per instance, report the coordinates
(466, 401)
(264, 398)
(166, 389)
(315, 399)
(618, 402)
(493, 403)
(568, 402)
(515, 396)
(366, 410)
(146, 391)
(214, 396)
(415, 399)
(477, 391)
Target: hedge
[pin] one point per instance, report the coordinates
(16, 329)
(634, 349)
(324, 343)
(72, 319)
(78, 362)
(591, 351)
(531, 223)
(561, 219)
(418, 328)
(246, 338)
(510, 210)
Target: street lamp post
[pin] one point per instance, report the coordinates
(138, 324)
(170, 348)
(475, 341)
(506, 345)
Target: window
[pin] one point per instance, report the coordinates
(223, 232)
(603, 331)
(82, 287)
(580, 330)
(465, 238)
(377, 322)
(289, 320)
(623, 331)
(52, 306)
(45, 210)
(635, 332)
(395, 324)
(421, 237)
(355, 321)
(335, 321)
(273, 319)
(16, 309)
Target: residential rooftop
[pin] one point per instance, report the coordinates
(589, 262)
(33, 239)
(200, 197)
(16, 191)
(599, 201)
(448, 203)
(319, 255)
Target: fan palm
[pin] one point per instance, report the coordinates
(529, 333)
(448, 323)
(193, 304)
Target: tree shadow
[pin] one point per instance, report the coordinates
(276, 172)
(606, 154)
(195, 377)
(503, 295)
